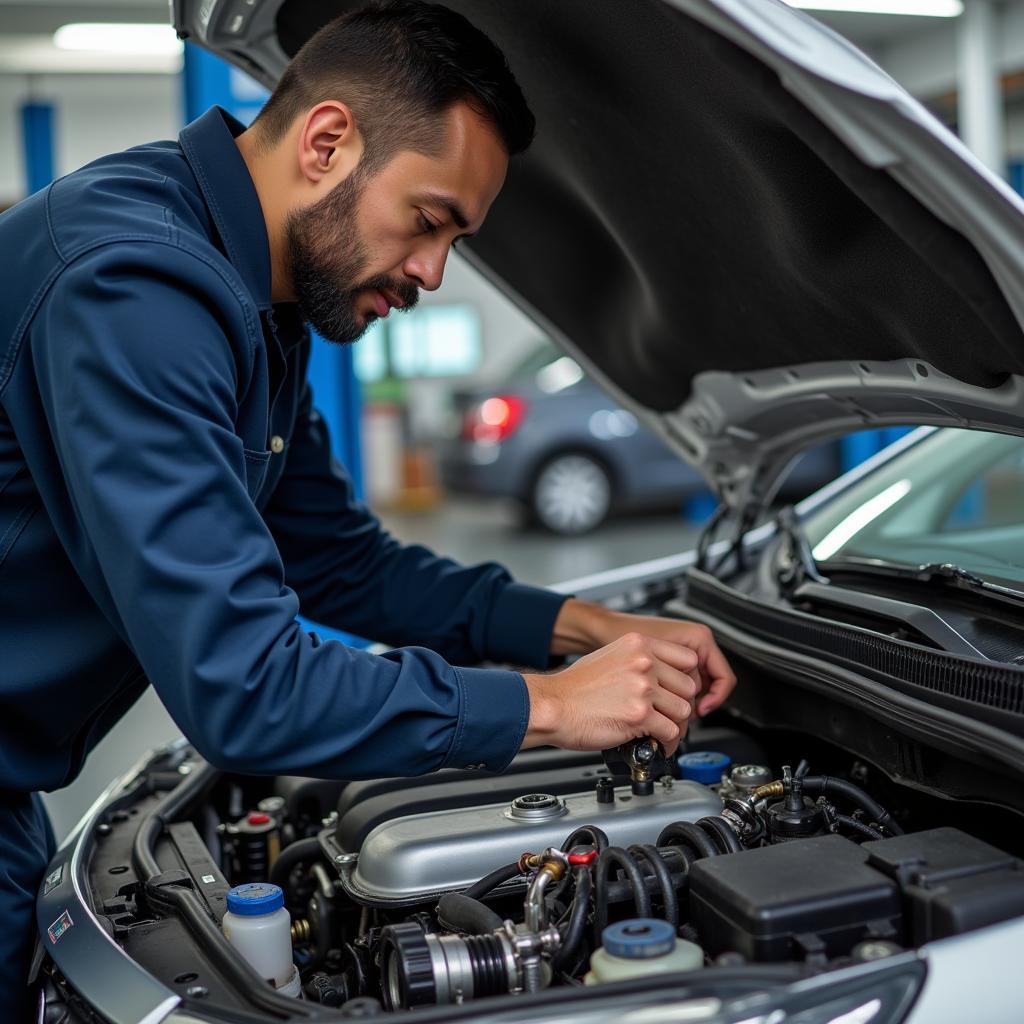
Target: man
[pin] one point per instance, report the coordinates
(168, 501)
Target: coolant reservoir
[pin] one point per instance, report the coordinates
(638, 947)
(259, 927)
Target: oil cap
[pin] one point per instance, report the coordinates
(704, 766)
(639, 938)
(255, 899)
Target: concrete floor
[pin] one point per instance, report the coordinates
(466, 530)
(477, 531)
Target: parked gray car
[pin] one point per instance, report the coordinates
(552, 440)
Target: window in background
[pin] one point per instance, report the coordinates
(435, 341)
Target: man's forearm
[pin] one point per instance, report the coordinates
(581, 627)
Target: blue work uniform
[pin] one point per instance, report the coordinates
(169, 503)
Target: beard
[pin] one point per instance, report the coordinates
(326, 258)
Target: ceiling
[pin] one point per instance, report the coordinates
(40, 18)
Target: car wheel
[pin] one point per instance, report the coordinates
(571, 494)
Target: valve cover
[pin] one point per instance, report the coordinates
(419, 856)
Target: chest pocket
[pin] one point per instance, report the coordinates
(256, 463)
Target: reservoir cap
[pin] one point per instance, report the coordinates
(639, 938)
(255, 898)
(705, 766)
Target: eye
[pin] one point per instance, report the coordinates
(427, 225)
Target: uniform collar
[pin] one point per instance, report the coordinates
(209, 146)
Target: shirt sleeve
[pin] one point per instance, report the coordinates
(351, 574)
(141, 351)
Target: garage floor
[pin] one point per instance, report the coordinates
(477, 531)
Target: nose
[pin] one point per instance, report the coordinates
(425, 266)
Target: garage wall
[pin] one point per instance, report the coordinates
(95, 114)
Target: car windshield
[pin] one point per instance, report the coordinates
(957, 497)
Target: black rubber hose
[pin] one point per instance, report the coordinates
(857, 826)
(586, 835)
(480, 889)
(695, 841)
(305, 850)
(721, 833)
(659, 869)
(618, 856)
(577, 925)
(832, 788)
(457, 912)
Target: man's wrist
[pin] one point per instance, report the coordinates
(542, 727)
(581, 627)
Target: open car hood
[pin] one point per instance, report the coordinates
(743, 228)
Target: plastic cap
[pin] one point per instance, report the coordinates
(258, 818)
(704, 766)
(639, 938)
(255, 898)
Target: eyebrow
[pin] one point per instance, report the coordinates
(453, 208)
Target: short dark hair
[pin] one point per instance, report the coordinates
(399, 64)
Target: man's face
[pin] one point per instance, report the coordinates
(373, 241)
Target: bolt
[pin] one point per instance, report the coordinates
(197, 991)
(103, 830)
(875, 950)
(184, 769)
(346, 858)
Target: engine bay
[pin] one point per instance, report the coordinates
(561, 872)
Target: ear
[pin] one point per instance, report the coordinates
(329, 142)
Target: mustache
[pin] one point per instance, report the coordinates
(405, 291)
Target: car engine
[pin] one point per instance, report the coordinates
(565, 871)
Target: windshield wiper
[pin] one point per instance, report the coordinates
(945, 574)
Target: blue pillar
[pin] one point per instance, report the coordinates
(208, 81)
(37, 144)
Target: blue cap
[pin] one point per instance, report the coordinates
(255, 898)
(704, 766)
(639, 938)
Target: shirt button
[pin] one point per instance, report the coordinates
(277, 444)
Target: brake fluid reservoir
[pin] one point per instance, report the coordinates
(638, 947)
(259, 927)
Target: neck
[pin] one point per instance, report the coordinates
(266, 168)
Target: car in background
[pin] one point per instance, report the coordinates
(552, 440)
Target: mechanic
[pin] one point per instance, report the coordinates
(168, 500)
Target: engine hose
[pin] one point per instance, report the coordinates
(302, 851)
(577, 925)
(857, 826)
(492, 881)
(693, 840)
(832, 788)
(586, 835)
(618, 856)
(457, 912)
(721, 833)
(669, 901)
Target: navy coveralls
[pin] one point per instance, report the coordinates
(150, 532)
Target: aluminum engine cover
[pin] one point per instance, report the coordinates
(419, 856)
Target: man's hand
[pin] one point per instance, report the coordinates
(582, 627)
(635, 686)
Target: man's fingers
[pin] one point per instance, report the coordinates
(664, 730)
(723, 680)
(674, 708)
(682, 684)
(677, 655)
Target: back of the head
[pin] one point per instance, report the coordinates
(399, 64)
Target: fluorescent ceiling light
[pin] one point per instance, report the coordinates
(924, 8)
(96, 37)
(858, 519)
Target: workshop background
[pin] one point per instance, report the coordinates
(429, 411)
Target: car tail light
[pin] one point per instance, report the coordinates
(494, 419)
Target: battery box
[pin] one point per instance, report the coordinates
(810, 898)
